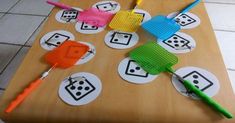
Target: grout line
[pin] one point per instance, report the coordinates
(220, 3)
(231, 69)
(224, 30)
(14, 44)
(26, 14)
(10, 8)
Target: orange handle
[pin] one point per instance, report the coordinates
(20, 98)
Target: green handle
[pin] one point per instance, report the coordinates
(207, 99)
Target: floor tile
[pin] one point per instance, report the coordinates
(36, 7)
(12, 67)
(232, 79)
(222, 16)
(35, 34)
(1, 14)
(7, 52)
(227, 44)
(5, 5)
(17, 29)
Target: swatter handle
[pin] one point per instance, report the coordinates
(20, 98)
(207, 99)
(188, 8)
(60, 5)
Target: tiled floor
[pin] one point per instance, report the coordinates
(30, 15)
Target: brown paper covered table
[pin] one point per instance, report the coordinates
(119, 100)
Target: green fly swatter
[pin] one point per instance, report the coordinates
(154, 59)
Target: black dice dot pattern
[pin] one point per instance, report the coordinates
(121, 38)
(177, 42)
(86, 26)
(79, 88)
(184, 20)
(56, 39)
(133, 69)
(69, 15)
(106, 6)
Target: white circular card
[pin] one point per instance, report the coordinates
(179, 43)
(89, 55)
(85, 28)
(80, 89)
(53, 39)
(121, 40)
(131, 72)
(67, 16)
(145, 14)
(200, 78)
(187, 20)
(108, 6)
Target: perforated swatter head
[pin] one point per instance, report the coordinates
(95, 17)
(161, 27)
(67, 54)
(126, 21)
(153, 58)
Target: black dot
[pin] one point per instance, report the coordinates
(58, 43)
(189, 20)
(137, 68)
(65, 16)
(184, 16)
(80, 88)
(195, 76)
(69, 16)
(132, 70)
(78, 93)
(176, 41)
(73, 16)
(72, 87)
(126, 36)
(56, 36)
(183, 22)
(115, 39)
(93, 26)
(169, 41)
(182, 41)
(176, 45)
(196, 86)
(70, 12)
(105, 7)
(86, 26)
(66, 12)
(195, 82)
(175, 38)
(74, 12)
(87, 88)
(81, 82)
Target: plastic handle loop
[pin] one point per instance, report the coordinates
(207, 99)
(60, 5)
(20, 98)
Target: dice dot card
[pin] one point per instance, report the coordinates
(179, 43)
(68, 16)
(200, 78)
(121, 40)
(187, 20)
(85, 28)
(133, 73)
(53, 39)
(80, 89)
(108, 6)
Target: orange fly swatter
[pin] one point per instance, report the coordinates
(65, 56)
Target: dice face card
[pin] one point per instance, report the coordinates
(185, 20)
(121, 38)
(133, 69)
(80, 88)
(57, 39)
(69, 15)
(177, 42)
(107, 6)
(200, 78)
(54, 39)
(86, 26)
(133, 73)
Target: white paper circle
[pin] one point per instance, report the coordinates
(187, 20)
(179, 43)
(131, 72)
(53, 39)
(200, 78)
(67, 16)
(80, 89)
(89, 55)
(85, 28)
(108, 6)
(145, 14)
(121, 40)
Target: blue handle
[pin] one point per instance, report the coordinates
(188, 8)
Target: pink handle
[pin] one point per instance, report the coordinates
(20, 98)
(61, 5)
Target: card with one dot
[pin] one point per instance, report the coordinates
(107, 6)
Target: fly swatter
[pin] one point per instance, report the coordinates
(92, 16)
(154, 59)
(127, 21)
(162, 27)
(65, 56)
